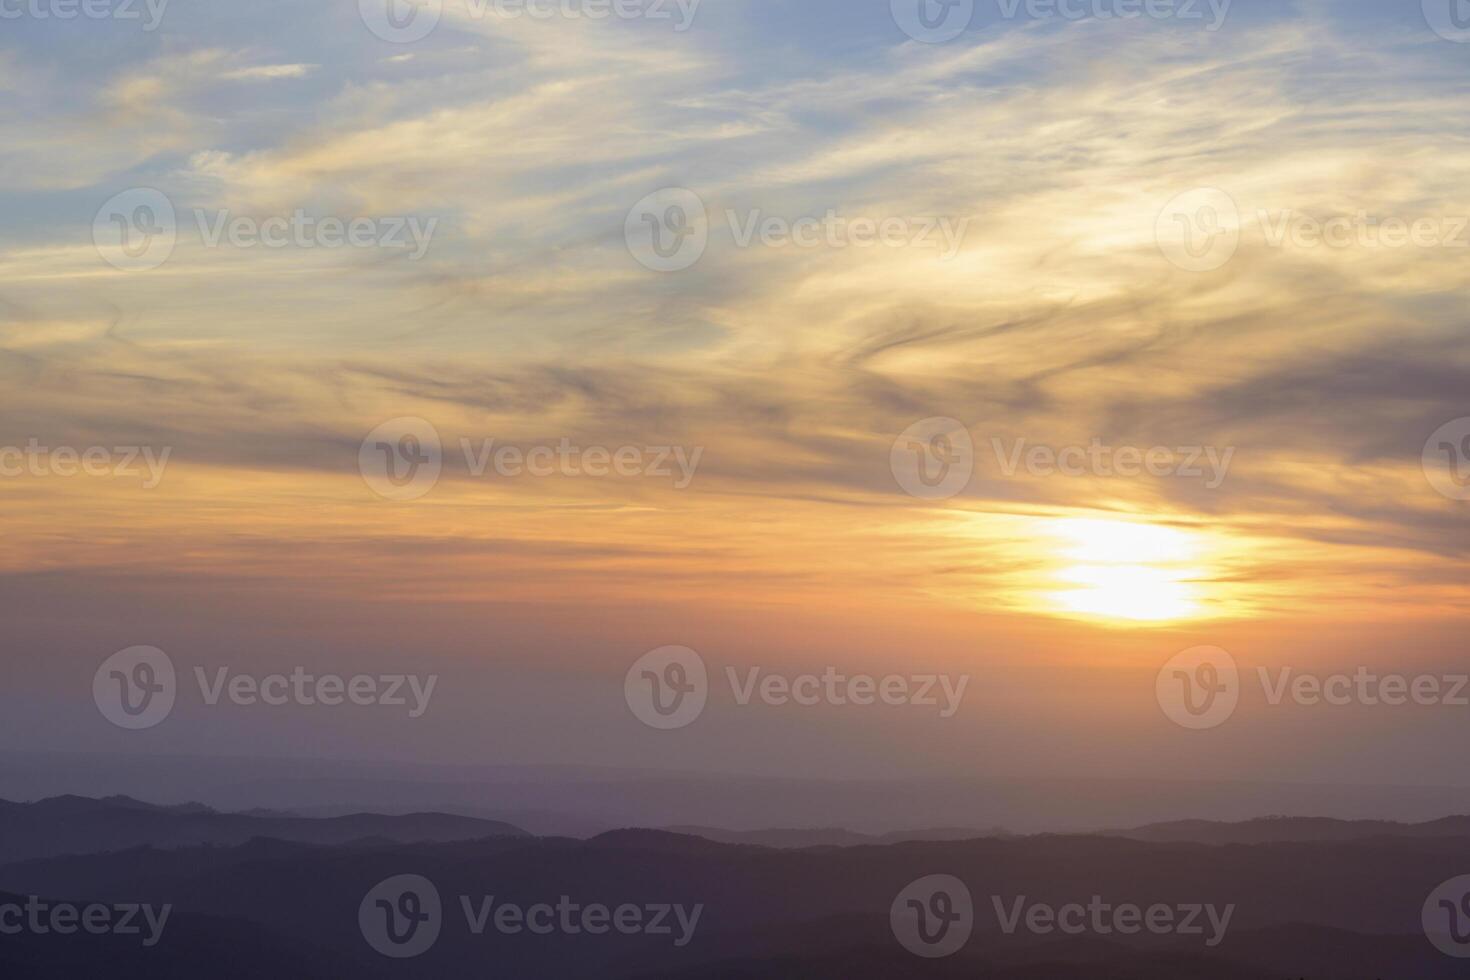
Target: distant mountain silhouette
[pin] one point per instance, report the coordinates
(1324, 910)
(580, 801)
(80, 825)
(1399, 957)
(831, 837)
(1265, 830)
(1283, 829)
(193, 946)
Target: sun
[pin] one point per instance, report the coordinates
(1126, 570)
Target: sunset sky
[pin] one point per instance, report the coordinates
(1061, 319)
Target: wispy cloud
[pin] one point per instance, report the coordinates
(1058, 321)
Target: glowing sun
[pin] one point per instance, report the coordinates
(1123, 570)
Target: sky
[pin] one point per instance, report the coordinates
(887, 323)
